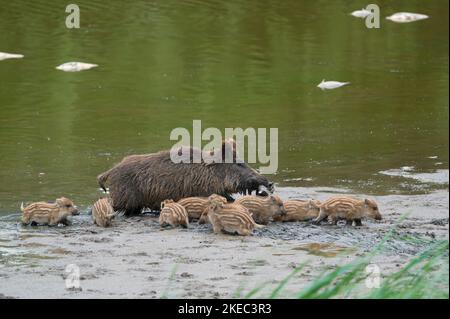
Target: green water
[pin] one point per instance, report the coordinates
(232, 63)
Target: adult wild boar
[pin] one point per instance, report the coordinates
(144, 181)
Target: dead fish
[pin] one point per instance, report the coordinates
(75, 66)
(363, 13)
(405, 17)
(5, 56)
(330, 85)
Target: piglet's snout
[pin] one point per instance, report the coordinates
(75, 210)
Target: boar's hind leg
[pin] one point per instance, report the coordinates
(133, 211)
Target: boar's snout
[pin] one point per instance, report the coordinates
(259, 184)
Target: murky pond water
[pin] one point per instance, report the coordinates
(230, 64)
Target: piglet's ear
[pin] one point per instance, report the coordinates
(366, 202)
(60, 201)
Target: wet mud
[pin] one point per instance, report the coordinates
(137, 259)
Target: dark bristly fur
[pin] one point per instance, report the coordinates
(144, 181)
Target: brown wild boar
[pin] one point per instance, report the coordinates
(230, 218)
(144, 181)
(103, 212)
(173, 214)
(299, 210)
(195, 206)
(217, 198)
(43, 213)
(263, 209)
(350, 209)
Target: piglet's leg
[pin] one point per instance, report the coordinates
(244, 232)
(358, 222)
(333, 220)
(65, 222)
(53, 221)
(185, 223)
(322, 216)
(217, 228)
(204, 218)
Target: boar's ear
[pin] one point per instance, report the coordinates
(228, 145)
(162, 204)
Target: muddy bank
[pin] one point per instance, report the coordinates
(135, 259)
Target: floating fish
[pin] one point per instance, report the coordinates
(75, 66)
(405, 17)
(5, 56)
(363, 13)
(330, 85)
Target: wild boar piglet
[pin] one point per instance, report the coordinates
(44, 213)
(214, 198)
(231, 218)
(173, 214)
(350, 209)
(103, 212)
(195, 206)
(263, 208)
(299, 210)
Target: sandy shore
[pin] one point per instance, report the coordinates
(135, 259)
